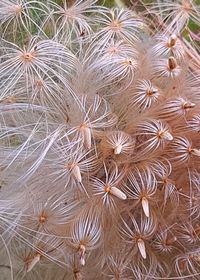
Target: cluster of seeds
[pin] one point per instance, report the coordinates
(99, 141)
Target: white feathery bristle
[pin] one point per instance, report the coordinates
(145, 206)
(116, 192)
(141, 247)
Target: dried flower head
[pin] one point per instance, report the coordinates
(99, 140)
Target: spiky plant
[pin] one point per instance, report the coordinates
(99, 140)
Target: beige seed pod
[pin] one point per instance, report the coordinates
(87, 137)
(118, 193)
(33, 262)
(141, 247)
(195, 152)
(145, 206)
(77, 173)
(172, 41)
(172, 64)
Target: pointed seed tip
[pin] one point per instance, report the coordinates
(145, 206)
(141, 247)
(118, 193)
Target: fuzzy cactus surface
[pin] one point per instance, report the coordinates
(99, 140)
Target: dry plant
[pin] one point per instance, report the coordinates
(99, 140)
